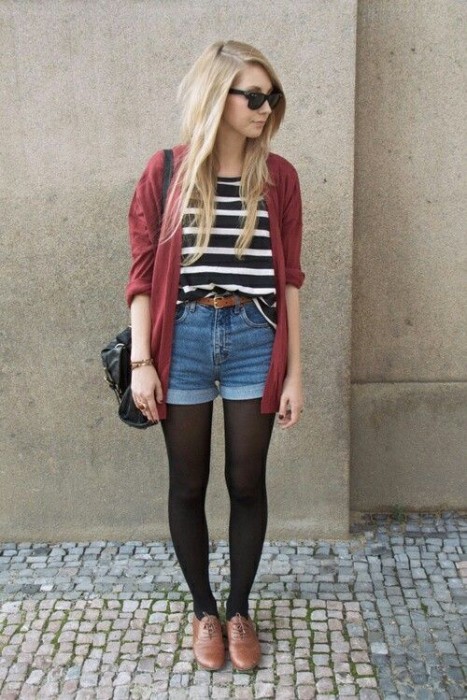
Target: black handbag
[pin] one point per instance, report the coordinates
(116, 355)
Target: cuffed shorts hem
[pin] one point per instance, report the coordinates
(191, 396)
(252, 391)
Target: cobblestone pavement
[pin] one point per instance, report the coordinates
(381, 615)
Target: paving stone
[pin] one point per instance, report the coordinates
(378, 617)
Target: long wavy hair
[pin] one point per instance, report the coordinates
(202, 95)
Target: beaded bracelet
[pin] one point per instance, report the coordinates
(141, 363)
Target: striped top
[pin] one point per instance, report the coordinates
(218, 271)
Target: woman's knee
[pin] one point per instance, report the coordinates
(187, 493)
(246, 487)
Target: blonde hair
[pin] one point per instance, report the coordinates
(202, 94)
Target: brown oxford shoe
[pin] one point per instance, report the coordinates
(208, 642)
(244, 648)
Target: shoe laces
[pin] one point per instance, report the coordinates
(209, 625)
(241, 627)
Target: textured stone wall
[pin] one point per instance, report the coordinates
(409, 330)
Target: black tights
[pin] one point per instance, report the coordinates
(187, 432)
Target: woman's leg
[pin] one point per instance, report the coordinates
(187, 433)
(247, 436)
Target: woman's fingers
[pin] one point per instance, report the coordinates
(285, 413)
(146, 387)
(289, 413)
(151, 410)
(147, 406)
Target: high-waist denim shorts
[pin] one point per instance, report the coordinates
(219, 351)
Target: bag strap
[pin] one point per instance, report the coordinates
(168, 168)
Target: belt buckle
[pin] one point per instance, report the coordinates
(216, 298)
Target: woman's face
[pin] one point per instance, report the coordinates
(237, 116)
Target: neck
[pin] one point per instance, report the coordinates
(230, 152)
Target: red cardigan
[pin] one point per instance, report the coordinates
(155, 271)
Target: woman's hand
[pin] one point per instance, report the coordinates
(291, 403)
(146, 388)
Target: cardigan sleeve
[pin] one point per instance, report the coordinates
(143, 225)
(292, 226)
(142, 252)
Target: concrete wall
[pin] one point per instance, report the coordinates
(87, 93)
(409, 396)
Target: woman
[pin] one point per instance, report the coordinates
(213, 293)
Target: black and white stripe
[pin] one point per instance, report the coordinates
(219, 271)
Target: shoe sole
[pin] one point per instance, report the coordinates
(244, 668)
(210, 668)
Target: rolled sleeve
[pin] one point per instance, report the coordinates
(294, 277)
(142, 252)
(292, 227)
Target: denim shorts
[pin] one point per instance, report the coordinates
(218, 351)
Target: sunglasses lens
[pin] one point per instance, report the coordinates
(255, 100)
(274, 99)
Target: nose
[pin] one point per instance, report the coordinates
(265, 108)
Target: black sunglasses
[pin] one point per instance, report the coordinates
(257, 99)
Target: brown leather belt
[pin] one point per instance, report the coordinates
(221, 302)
